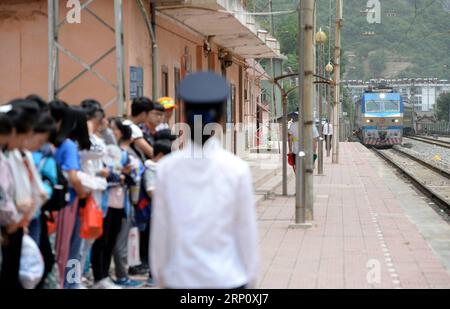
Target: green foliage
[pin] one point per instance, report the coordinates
(443, 107)
(418, 35)
(377, 63)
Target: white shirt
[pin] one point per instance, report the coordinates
(92, 161)
(293, 131)
(203, 229)
(150, 175)
(136, 132)
(327, 129)
(26, 190)
(162, 126)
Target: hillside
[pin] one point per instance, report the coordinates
(412, 40)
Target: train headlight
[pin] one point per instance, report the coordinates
(369, 120)
(396, 120)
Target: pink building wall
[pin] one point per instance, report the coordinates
(24, 52)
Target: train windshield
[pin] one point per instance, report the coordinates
(391, 106)
(380, 106)
(373, 106)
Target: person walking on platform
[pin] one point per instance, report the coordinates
(293, 140)
(328, 135)
(203, 226)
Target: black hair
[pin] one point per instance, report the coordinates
(92, 108)
(73, 124)
(141, 105)
(124, 129)
(31, 111)
(58, 110)
(211, 113)
(45, 124)
(80, 131)
(165, 134)
(163, 142)
(43, 105)
(158, 107)
(6, 125)
(163, 146)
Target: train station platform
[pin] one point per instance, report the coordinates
(371, 229)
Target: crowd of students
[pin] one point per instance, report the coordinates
(58, 162)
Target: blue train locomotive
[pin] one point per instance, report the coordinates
(382, 117)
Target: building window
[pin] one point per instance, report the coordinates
(136, 82)
(165, 81)
(417, 101)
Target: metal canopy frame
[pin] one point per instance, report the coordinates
(55, 47)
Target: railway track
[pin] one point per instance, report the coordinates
(431, 141)
(430, 180)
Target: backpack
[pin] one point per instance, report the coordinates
(143, 210)
(60, 194)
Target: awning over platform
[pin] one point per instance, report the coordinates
(227, 22)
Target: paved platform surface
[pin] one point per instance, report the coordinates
(371, 229)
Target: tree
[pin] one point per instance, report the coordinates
(443, 107)
(377, 62)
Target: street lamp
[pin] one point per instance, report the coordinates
(321, 37)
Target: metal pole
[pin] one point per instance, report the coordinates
(413, 102)
(300, 211)
(151, 27)
(120, 62)
(274, 108)
(155, 56)
(51, 49)
(53, 14)
(337, 78)
(320, 152)
(329, 115)
(284, 133)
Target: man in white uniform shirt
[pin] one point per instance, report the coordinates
(203, 229)
(328, 134)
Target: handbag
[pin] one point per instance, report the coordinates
(91, 220)
(133, 257)
(31, 263)
(291, 159)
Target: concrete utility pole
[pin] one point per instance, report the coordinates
(151, 27)
(321, 38)
(320, 152)
(337, 81)
(304, 161)
(273, 101)
(284, 145)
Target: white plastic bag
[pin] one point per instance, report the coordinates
(92, 183)
(133, 247)
(31, 264)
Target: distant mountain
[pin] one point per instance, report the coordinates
(413, 39)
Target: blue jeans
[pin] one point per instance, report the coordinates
(74, 254)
